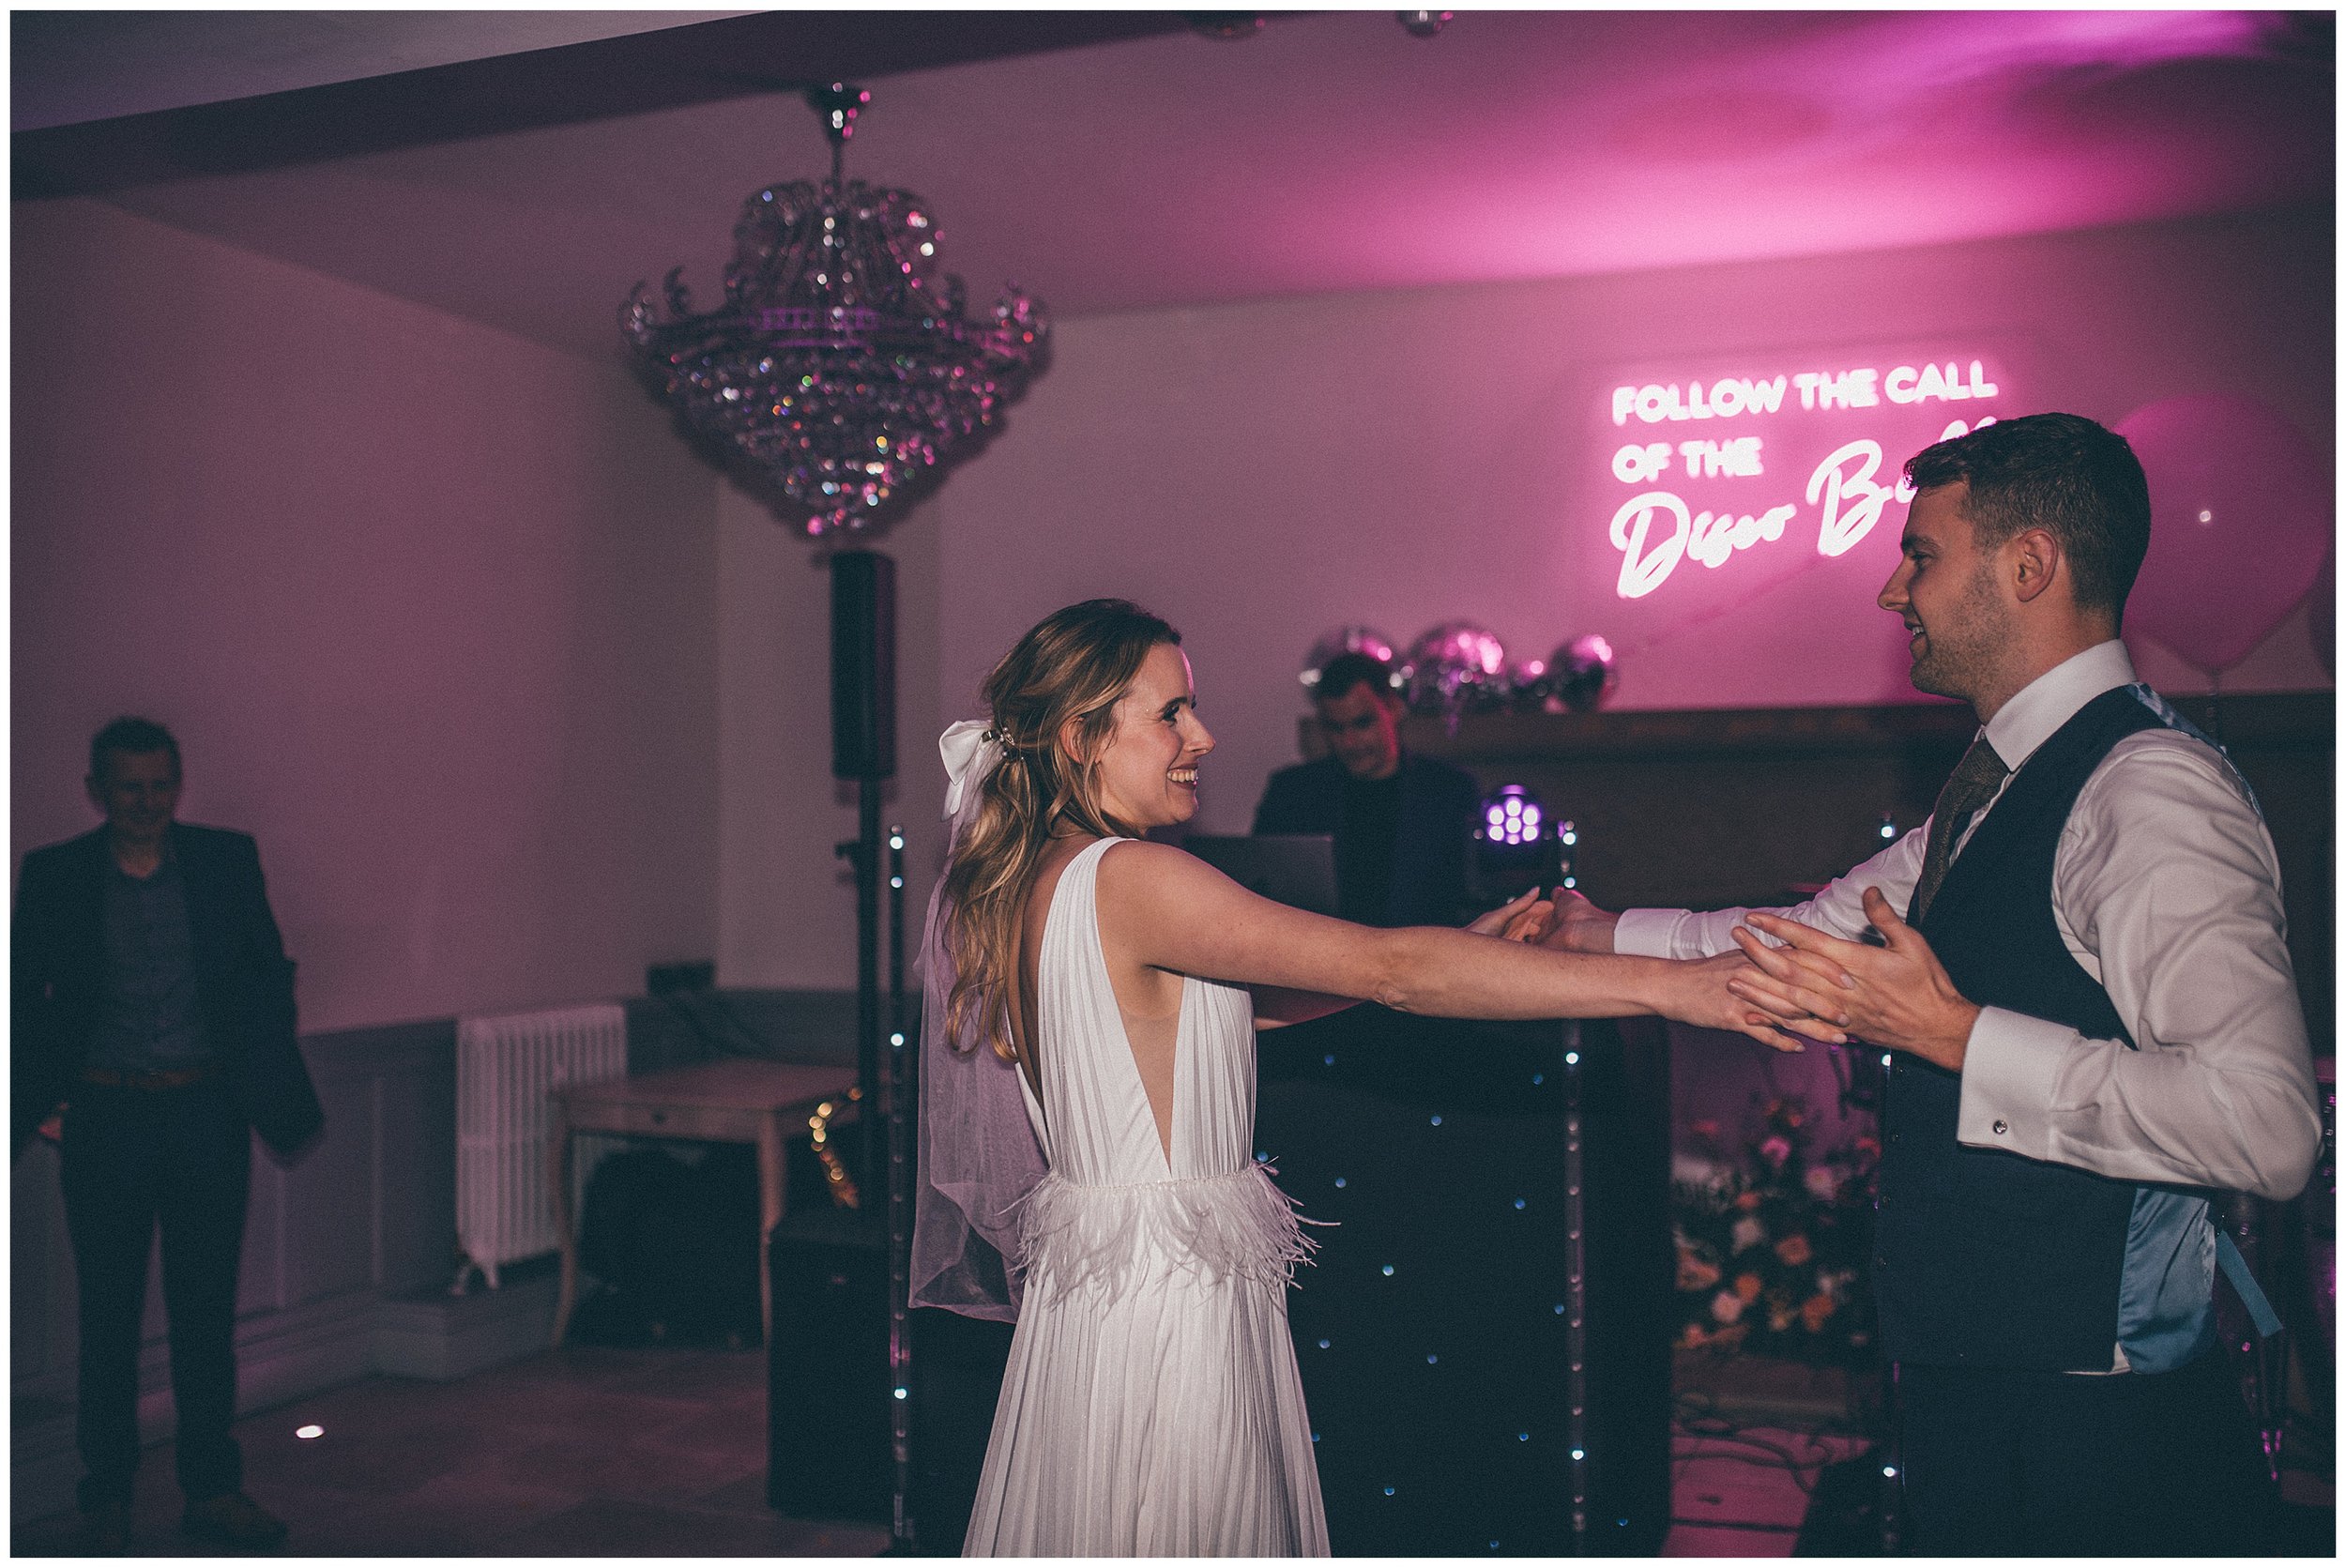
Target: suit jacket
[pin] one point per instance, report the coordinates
(244, 981)
(1433, 842)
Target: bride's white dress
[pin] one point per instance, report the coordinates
(1152, 1406)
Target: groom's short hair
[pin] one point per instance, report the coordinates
(2059, 472)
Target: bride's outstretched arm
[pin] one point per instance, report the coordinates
(1521, 919)
(1170, 910)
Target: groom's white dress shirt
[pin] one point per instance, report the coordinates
(2166, 891)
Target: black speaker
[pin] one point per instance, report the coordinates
(862, 665)
(826, 1397)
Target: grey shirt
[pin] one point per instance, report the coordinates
(151, 1018)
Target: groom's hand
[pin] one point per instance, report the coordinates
(1897, 996)
(1704, 992)
(1577, 926)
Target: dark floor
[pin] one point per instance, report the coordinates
(583, 1452)
(593, 1452)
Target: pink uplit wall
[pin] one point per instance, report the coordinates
(1259, 473)
(785, 902)
(430, 609)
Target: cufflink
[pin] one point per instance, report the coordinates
(1999, 1128)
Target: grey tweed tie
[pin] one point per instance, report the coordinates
(1971, 785)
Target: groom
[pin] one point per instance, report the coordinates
(2082, 973)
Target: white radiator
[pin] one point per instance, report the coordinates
(507, 1068)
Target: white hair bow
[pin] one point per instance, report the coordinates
(970, 751)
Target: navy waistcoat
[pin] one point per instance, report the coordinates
(1985, 1257)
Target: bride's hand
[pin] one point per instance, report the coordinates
(1696, 993)
(1520, 919)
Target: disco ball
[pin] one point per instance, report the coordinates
(1344, 639)
(1581, 673)
(1455, 667)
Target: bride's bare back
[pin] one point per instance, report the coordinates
(1148, 1000)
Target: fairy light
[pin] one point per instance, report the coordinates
(1575, 1297)
(835, 1175)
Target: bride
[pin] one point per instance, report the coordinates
(1087, 1104)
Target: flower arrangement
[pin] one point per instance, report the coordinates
(1772, 1247)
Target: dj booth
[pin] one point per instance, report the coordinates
(1484, 1333)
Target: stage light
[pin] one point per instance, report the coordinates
(1339, 1181)
(1572, 1058)
(306, 1433)
(1520, 843)
(1431, 1360)
(1437, 1121)
(1518, 1202)
(1512, 816)
(1889, 827)
(1387, 1270)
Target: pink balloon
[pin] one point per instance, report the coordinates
(2240, 522)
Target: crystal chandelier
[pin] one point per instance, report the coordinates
(841, 366)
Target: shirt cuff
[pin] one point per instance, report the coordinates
(2010, 1068)
(1647, 933)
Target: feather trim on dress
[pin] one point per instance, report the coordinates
(1112, 1238)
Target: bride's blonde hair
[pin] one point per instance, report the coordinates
(1075, 664)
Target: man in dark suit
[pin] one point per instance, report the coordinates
(153, 1013)
(1404, 824)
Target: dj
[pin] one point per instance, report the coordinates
(1404, 824)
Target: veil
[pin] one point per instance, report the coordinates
(978, 1152)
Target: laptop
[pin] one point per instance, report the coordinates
(1294, 869)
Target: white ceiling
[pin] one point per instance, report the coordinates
(1328, 151)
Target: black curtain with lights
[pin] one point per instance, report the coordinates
(1433, 1326)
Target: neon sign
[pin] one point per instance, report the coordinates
(1797, 413)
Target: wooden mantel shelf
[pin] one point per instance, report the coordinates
(2286, 720)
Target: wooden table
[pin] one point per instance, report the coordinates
(734, 1101)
